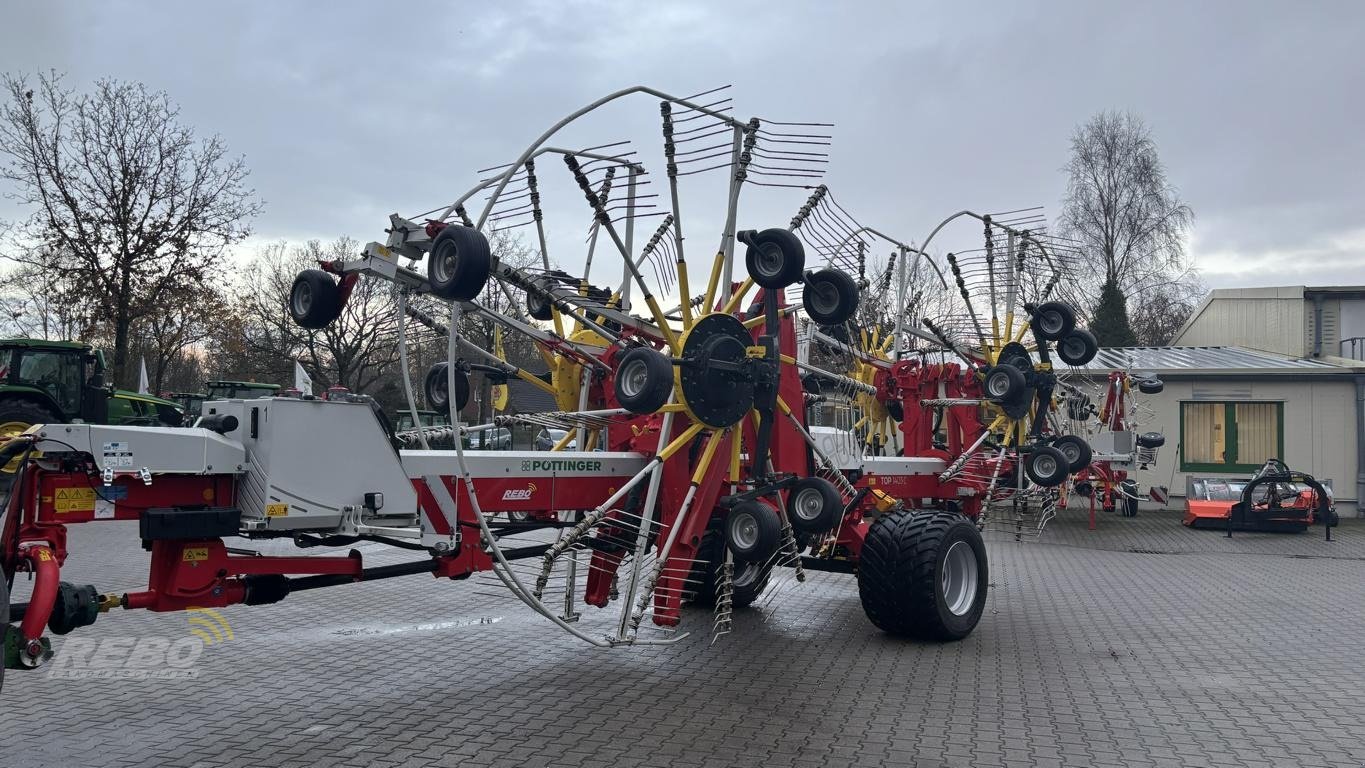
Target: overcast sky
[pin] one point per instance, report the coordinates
(347, 112)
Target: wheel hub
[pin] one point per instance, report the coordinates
(716, 378)
(744, 530)
(808, 504)
(959, 578)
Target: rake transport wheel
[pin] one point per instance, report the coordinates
(923, 574)
(747, 583)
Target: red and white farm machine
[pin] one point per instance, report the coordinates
(695, 472)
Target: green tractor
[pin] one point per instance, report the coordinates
(56, 382)
(192, 403)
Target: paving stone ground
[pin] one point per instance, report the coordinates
(1212, 653)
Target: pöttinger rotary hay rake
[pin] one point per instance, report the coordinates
(689, 471)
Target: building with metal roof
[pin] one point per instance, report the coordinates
(1225, 409)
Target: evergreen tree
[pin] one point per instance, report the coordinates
(1110, 320)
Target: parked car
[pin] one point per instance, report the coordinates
(496, 439)
(549, 437)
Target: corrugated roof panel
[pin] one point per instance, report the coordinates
(1175, 359)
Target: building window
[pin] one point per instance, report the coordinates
(1230, 436)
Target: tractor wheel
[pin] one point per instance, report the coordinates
(437, 389)
(746, 583)
(1046, 466)
(775, 258)
(923, 574)
(314, 299)
(1151, 386)
(830, 297)
(644, 380)
(459, 263)
(814, 505)
(1078, 347)
(753, 531)
(17, 416)
(1075, 449)
(1053, 320)
(1005, 384)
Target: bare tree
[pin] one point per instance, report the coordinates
(125, 200)
(1126, 220)
(356, 351)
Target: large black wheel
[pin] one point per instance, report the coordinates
(747, 580)
(644, 380)
(775, 258)
(1053, 320)
(923, 574)
(459, 263)
(1046, 466)
(1005, 384)
(314, 299)
(1151, 386)
(814, 505)
(437, 389)
(752, 531)
(1075, 449)
(830, 297)
(1078, 347)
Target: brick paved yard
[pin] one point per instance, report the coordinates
(1211, 653)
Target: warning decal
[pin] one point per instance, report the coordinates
(74, 500)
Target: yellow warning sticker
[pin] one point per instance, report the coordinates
(756, 351)
(276, 510)
(74, 500)
(195, 554)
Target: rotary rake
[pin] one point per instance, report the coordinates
(690, 470)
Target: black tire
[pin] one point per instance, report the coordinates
(1075, 449)
(1078, 347)
(314, 299)
(1151, 440)
(1151, 386)
(1053, 320)
(538, 306)
(901, 575)
(1085, 489)
(644, 380)
(746, 583)
(1046, 466)
(830, 297)
(775, 259)
(459, 263)
(1004, 384)
(752, 531)
(436, 389)
(814, 505)
(896, 410)
(1128, 496)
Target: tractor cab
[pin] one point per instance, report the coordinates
(192, 403)
(50, 382)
